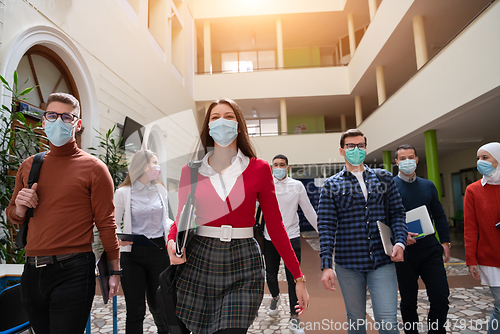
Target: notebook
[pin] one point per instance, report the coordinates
(419, 221)
(386, 236)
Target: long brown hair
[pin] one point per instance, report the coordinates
(137, 166)
(243, 140)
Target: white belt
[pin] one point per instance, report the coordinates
(225, 232)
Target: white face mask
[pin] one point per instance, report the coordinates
(58, 132)
(223, 131)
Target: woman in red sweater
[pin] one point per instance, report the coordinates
(221, 285)
(482, 226)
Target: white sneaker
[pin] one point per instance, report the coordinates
(273, 308)
(294, 325)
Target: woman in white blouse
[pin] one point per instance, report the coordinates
(141, 208)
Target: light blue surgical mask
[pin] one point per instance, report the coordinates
(279, 173)
(484, 167)
(356, 156)
(407, 166)
(58, 132)
(223, 131)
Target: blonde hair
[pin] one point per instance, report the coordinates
(137, 166)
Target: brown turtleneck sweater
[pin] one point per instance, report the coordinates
(74, 191)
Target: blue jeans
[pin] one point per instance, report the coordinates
(383, 286)
(494, 325)
(58, 297)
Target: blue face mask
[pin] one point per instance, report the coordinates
(407, 166)
(484, 167)
(355, 157)
(223, 131)
(58, 132)
(279, 173)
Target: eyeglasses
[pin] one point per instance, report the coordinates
(351, 146)
(52, 117)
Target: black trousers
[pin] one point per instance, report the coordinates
(141, 268)
(426, 262)
(272, 259)
(58, 297)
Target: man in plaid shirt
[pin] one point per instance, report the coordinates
(350, 204)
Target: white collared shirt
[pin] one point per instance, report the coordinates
(290, 194)
(406, 178)
(224, 183)
(146, 210)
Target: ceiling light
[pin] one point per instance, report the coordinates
(254, 112)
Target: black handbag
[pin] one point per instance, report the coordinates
(22, 234)
(258, 229)
(166, 294)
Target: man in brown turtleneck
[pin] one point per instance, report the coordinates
(74, 192)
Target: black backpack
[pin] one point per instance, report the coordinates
(21, 236)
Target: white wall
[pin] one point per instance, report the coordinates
(273, 84)
(130, 77)
(301, 149)
(231, 8)
(466, 69)
(389, 15)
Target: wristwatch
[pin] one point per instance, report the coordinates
(300, 279)
(447, 243)
(116, 272)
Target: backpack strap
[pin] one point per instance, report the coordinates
(33, 177)
(21, 236)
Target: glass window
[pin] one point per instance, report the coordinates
(269, 127)
(266, 60)
(253, 126)
(229, 62)
(247, 61)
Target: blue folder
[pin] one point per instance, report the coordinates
(416, 227)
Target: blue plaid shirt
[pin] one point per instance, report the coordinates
(348, 223)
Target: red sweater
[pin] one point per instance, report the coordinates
(256, 182)
(481, 213)
(74, 191)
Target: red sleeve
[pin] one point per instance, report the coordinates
(272, 216)
(184, 189)
(471, 230)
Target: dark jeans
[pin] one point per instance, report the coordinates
(426, 262)
(58, 297)
(272, 259)
(141, 268)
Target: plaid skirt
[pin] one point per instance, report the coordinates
(221, 285)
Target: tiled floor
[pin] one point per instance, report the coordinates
(470, 308)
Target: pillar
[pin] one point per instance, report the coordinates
(207, 51)
(387, 160)
(379, 72)
(420, 42)
(358, 110)
(372, 7)
(283, 116)
(343, 123)
(279, 39)
(431, 155)
(352, 38)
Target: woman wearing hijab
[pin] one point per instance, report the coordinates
(141, 201)
(482, 226)
(221, 285)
